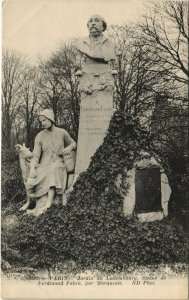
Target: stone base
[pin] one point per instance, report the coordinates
(150, 217)
(41, 204)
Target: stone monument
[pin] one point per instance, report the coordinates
(96, 84)
(148, 195)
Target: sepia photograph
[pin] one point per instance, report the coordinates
(94, 149)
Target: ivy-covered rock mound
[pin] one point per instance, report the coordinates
(92, 230)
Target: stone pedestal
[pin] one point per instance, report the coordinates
(96, 109)
(95, 115)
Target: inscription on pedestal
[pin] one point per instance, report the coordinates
(94, 122)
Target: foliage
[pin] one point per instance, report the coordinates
(170, 135)
(9, 255)
(92, 229)
(13, 190)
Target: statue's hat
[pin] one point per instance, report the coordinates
(48, 113)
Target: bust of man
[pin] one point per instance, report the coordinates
(97, 46)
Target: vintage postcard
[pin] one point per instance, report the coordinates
(94, 149)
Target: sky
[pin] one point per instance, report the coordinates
(37, 27)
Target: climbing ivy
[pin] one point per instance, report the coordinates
(92, 230)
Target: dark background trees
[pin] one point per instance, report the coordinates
(140, 79)
(59, 87)
(30, 100)
(28, 89)
(165, 31)
(13, 68)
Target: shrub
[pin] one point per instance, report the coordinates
(13, 191)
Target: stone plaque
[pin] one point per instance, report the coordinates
(147, 190)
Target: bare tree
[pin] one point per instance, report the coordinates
(13, 67)
(50, 88)
(60, 87)
(30, 99)
(165, 29)
(139, 76)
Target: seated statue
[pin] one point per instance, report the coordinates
(45, 171)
